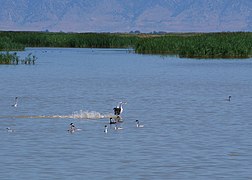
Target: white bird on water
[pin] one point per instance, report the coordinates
(138, 124)
(72, 127)
(16, 102)
(118, 128)
(9, 129)
(106, 129)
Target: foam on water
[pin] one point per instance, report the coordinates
(89, 115)
(76, 115)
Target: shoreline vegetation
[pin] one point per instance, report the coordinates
(184, 45)
(13, 59)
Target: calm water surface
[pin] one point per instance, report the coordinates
(190, 129)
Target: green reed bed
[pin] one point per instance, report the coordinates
(13, 59)
(208, 45)
(191, 45)
(75, 40)
(13, 41)
(9, 58)
(7, 44)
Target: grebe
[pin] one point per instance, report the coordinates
(16, 102)
(118, 128)
(72, 128)
(138, 124)
(119, 109)
(111, 122)
(106, 129)
(9, 129)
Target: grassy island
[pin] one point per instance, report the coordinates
(190, 45)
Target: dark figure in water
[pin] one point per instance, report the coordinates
(117, 111)
(72, 128)
(16, 102)
(111, 122)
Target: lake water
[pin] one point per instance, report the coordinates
(190, 129)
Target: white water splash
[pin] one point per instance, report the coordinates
(89, 115)
(76, 115)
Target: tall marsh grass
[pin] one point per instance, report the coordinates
(7, 44)
(209, 45)
(74, 40)
(191, 45)
(13, 59)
